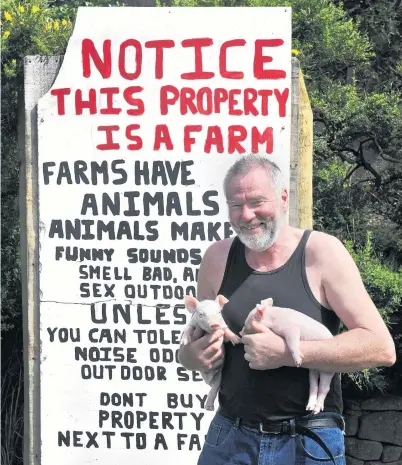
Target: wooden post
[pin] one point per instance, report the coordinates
(305, 158)
(301, 153)
(39, 74)
(294, 146)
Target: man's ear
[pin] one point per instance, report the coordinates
(222, 300)
(284, 200)
(191, 303)
(268, 302)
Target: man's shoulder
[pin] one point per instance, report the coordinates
(326, 248)
(320, 240)
(219, 250)
(213, 267)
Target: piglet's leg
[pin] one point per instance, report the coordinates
(198, 332)
(186, 337)
(323, 389)
(231, 336)
(215, 386)
(292, 337)
(313, 390)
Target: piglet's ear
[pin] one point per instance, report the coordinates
(269, 302)
(222, 300)
(260, 310)
(191, 303)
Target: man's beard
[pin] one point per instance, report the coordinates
(259, 242)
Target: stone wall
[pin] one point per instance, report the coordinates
(373, 433)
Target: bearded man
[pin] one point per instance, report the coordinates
(262, 416)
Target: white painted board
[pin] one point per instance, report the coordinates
(132, 156)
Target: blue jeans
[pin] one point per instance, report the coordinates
(229, 443)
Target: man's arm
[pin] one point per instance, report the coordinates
(367, 343)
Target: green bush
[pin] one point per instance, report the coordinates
(28, 28)
(385, 287)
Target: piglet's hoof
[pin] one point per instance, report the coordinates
(235, 340)
(311, 405)
(298, 360)
(319, 407)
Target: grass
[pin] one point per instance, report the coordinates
(12, 397)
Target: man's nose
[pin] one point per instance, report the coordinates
(247, 213)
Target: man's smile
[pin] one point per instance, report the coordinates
(252, 227)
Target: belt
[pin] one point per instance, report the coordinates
(293, 427)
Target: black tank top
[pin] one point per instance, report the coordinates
(257, 395)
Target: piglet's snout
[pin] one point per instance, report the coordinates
(214, 323)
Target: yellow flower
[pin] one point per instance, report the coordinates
(35, 9)
(296, 52)
(56, 25)
(6, 34)
(64, 22)
(48, 26)
(8, 16)
(21, 9)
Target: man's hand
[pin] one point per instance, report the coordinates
(265, 350)
(203, 353)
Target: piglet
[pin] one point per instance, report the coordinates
(294, 326)
(207, 316)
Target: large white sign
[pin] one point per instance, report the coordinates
(149, 110)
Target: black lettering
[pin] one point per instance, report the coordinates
(184, 375)
(64, 334)
(138, 373)
(210, 203)
(97, 372)
(160, 440)
(140, 440)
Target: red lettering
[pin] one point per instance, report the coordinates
(222, 59)
(162, 136)
(109, 92)
(233, 102)
(207, 93)
(264, 93)
(60, 94)
(214, 137)
(257, 138)
(282, 98)
(187, 96)
(260, 59)
(188, 140)
(165, 100)
(138, 59)
(220, 96)
(81, 104)
(110, 145)
(134, 138)
(206, 101)
(197, 44)
(250, 96)
(134, 102)
(88, 51)
(235, 139)
(159, 45)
